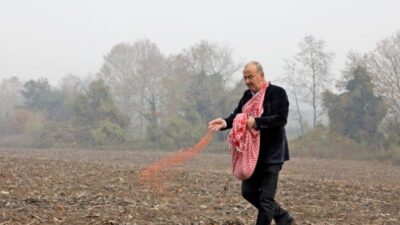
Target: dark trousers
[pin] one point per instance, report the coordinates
(260, 190)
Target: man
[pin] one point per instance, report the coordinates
(260, 188)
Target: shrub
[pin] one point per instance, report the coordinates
(107, 133)
(322, 143)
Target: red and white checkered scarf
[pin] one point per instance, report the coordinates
(244, 143)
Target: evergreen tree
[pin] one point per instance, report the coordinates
(38, 95)
(99, 120)
(357, 112)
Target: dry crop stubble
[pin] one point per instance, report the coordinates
(103, 187)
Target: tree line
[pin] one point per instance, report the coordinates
(141, 96)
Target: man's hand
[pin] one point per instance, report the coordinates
(216, 124)
(251, 122)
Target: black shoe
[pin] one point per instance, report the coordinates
(287, 219)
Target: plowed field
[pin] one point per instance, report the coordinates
(103, 187)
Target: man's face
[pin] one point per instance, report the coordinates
(253, 79)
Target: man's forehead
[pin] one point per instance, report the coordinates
(250, 68)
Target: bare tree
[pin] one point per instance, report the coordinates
(202, 72)
(135, 73)
(72, 85)
(354, 61)
(211, 58)
(197, 89)
(314, 60)
(384, 64)
(119, 71)
(10, 95)
(292, 79)
(178, 75)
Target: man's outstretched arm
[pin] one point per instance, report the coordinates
(226, 123)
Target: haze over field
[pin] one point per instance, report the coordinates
(54, 38)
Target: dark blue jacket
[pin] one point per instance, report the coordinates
(273, 142)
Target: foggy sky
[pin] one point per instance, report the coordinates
(45, 38)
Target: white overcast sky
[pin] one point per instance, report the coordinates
(51, 38)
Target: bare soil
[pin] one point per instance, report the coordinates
(102, 187)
